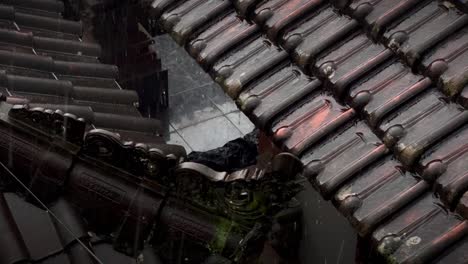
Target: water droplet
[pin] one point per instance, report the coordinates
(412, 241)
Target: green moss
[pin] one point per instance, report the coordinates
(223, 229)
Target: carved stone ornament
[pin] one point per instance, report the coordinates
(247, 195)
(53, 122)
(136, 158)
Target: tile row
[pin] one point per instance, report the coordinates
(29, 18)
(430, 36)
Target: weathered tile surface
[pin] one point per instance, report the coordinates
(339, 157)
(420, 123)
(217, 39)
(423, 29)
(377, 192)
(189, 16)
(349, 61)
(274, 93)
(245, 63)
(306, 39)
(275, 15)
(385, 90)
(447, 63)
(446, 165)
(419, 233)
(309, 121)
(378, 15)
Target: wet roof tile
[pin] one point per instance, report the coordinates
(457, 253)
(310, 121)
(462, 4)
(378, 15)
(337, 158)
(158, 7)
(309, 37)
(23, 39)
(447, 63)
(47, 241)
(377, 192)
(419, 233)
(40, 236)
(463, 99)
(14, 248)
(245, 63)
(349, 61)
(219, 38)
(417, 125)
(188, 17)
(275, 92)
(423, 29)
(446, 165)
(245, 7)
(277, 14)
(10, 13)
(386, 89)
(55, 6)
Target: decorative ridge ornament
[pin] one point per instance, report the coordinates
(136, 158)
(53, 122)
(249, 195)
(284, 165)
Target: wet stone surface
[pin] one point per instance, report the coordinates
(201, 116)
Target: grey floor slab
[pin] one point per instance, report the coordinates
(219, 98)
(201, 115)
(191, 107)
(210, 134)
(184, 72)
(241, 122)
(179, 80)
(175, 138)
